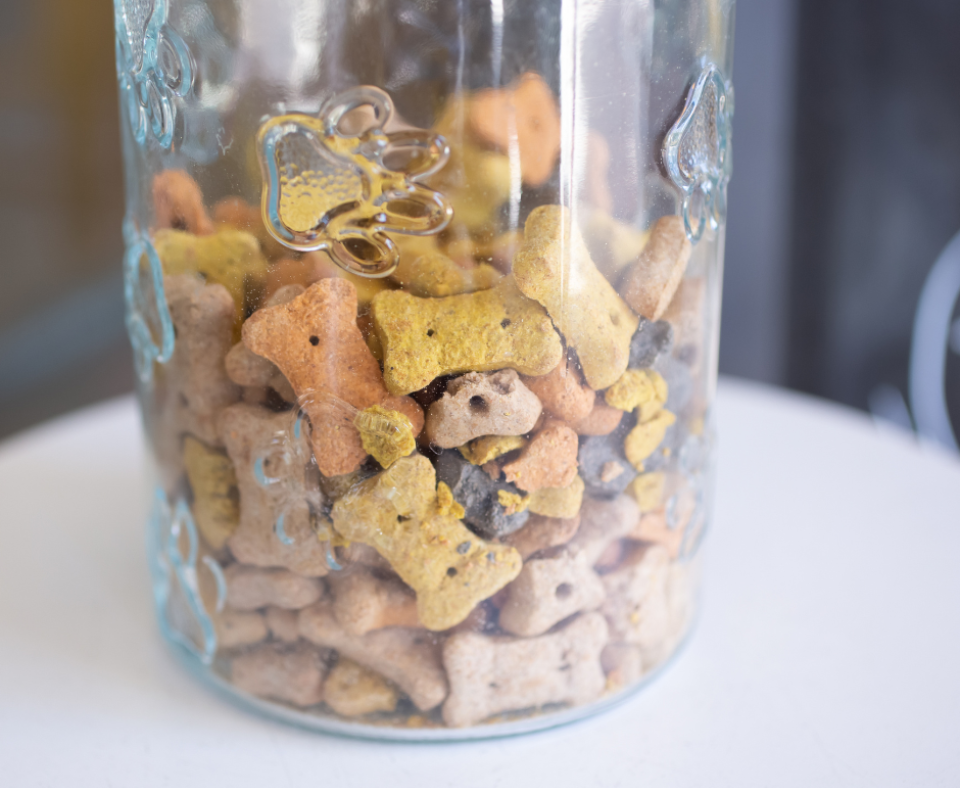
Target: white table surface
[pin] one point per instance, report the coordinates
(827, 653)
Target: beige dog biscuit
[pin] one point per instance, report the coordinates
(602, 522)
(363, 602)
(541, 533)
(239, 628)
(292, 674)
(253, 587)
(652, 281)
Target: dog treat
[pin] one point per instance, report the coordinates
(291, 674)
(246, 368)
(653, 280)
(436, 275)
(352, 690)
(554, 267)
(240, 628)
(549, 460)
(490, 674)
(548, 590)
(623, 664)
(386, 435)
(652, 527)
(541, 533)
(282, 624)
(363, 602)
(647, 490)
(214, 485)
(562, 502)
(476, 404)
(652, 341)
(277, 496)
(178, 203)
(423, 339)
(237, 213)
(485, 512)
(195, 378)
(252, 587)
(526, 112)
(315, 342)
(602, 420)
(643, 439)
(480, 451)
(449, 568)
(605, 469)
(410, 658)
(563, 392)
(638, 389)
(603, 522)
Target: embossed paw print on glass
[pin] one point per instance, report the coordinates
(696, 152)
(149, 324)
(154, 67)
(340, 182)
(176, 564)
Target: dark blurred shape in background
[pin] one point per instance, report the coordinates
(846, 188)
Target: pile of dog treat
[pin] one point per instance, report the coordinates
(455, 493)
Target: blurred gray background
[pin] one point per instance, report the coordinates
(846, 187)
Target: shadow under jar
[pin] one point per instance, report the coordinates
(423, 299)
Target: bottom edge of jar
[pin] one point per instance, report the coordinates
(492, 730)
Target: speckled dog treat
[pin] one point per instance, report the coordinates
(541, 533)
(410, 658)
(547, 591)
(263, 446)
(652, 281)
(291, 674)
(490, 674)
(424, 338)
(196, 386)
(315, 342)
(479, 495)
(476, 404)
(643, 440)
(563, 392)
(549, 460)
(252, 587)
(363, 602)
(352, 691)
(554, 267)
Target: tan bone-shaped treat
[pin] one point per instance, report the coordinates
(237, 628)
(547, 591)
(541, 533)
(352, 690)
(271, 463)
(254, 587)
(449, 567)
(315, 342)
(563, 392)
(424, 338)
(652, 281)
(214, 486)
(410, 658)
(196, 387)
(554, 268)
(276, 671)
(549, 460)
(476, 404)
(363, 602)
(602, 522)
(282, 624)
(489, 674)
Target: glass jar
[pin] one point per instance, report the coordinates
(424, 300)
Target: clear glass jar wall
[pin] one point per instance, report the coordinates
(424, 300)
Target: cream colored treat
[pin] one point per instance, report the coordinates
(450, 568)
(623, 664)
(363, 602)
(554, 267)
(602, 522)
(263, 443)
(292, 674)
(352, 691)
(214, 485)
(195, 384)
(652, 281)
(563, 392)
(252, 587)
(489, 675)
(541, 533)
(562, 502)
(547, 591)
(476, 404)
(410, 658)
(246, 368)
(239, 628)
(282, 624)
(549, 460)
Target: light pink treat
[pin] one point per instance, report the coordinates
(603, 522)
(292, 674)
(252, 587)
(282, 624)
(239, 628)
(363, 602)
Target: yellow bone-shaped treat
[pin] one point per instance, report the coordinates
(482, 450)
(435, 274)
(638, 388)
(214, 485)
(424, 338)
(387, 435)
(643, 439)
(450, 568)
(231, 258)
(554, 267)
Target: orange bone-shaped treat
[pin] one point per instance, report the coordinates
(178, 203)
(315, 342)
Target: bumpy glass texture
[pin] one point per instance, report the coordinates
(424, 302)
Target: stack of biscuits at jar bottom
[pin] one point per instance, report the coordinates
(453, 495)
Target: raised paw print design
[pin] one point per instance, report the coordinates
(175, 561)
(338, 181)
(696, 152)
